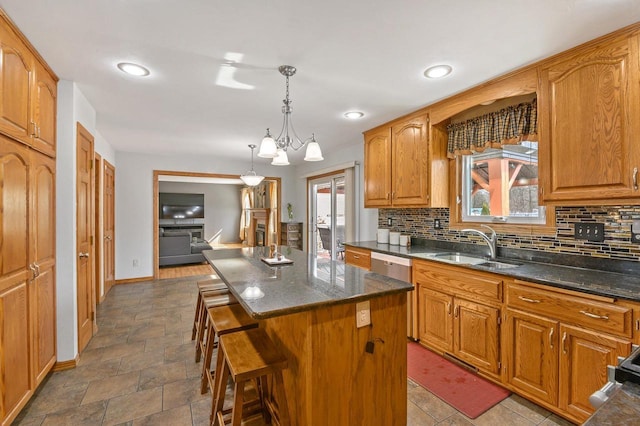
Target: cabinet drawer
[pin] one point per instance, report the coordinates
(357, 257)
(578, 310)
(458, 281)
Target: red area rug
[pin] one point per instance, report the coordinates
(465, 391)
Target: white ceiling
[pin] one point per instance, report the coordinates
(365, 55)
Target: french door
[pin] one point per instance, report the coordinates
(327, 216)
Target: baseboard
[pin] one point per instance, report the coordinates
(133, 280)
(65, 365)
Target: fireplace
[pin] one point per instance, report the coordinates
(261, 233)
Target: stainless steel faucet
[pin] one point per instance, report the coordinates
(490, 240)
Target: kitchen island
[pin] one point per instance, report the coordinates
(308, 308)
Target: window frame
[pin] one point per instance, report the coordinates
(456, 221)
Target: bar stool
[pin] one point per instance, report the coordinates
(212, 286)
(222, 320)
(209, 301)
(249, 355)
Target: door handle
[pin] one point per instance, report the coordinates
(33, 271)
(37, 269)
(83, 255)
(551, 337)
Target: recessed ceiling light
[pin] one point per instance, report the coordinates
(438, 71)
(133, 69)
(354, 115)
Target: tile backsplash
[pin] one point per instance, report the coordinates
(616, 219)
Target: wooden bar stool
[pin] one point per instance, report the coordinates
(249, 355)
(222, 320)
(209, 301)
(211, 287)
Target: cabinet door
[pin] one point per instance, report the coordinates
(377, 169)
(531, 355)
(435, 320)
(583, 366)
(43, 232)
(44, 112)
(589, 120)
(16, 70)
(476, 332)
(410, 151)
(15, 377)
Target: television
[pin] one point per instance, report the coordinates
(181, 206)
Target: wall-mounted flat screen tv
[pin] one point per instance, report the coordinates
(181, 206)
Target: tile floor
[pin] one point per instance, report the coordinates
(139, 369)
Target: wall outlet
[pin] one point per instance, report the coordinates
(136, 263)
(589, 231)
(436, 224)
(635, 231)
(388, 221)
(363, 314)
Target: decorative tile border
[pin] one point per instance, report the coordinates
(616, 219)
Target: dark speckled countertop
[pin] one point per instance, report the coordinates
(309, 283)
(595, 281)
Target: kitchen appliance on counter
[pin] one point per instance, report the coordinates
(400, 269)
(627, 370)
(383, 236)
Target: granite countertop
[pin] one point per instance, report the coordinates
(594, 281)
(622, 408)
(309, 283)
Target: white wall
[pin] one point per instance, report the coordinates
(72, 107)
(367, 219)
(134, 200)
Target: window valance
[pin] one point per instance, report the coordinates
(510, 125)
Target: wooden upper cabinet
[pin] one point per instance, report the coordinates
(404, 167)
(16, 73)
(409, 162)
(28, 92)
(589, 121)
(377, 170)
(44, 112)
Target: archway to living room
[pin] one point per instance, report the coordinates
(193, 212)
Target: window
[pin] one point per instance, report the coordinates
(501, 185)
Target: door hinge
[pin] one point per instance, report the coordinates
(91, 240)
(93, 316)
(499, 320)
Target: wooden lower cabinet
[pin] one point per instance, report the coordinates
(357, 257)
(435, 325)
(553, 357)
(465, 329)
(583, 366)
(15, 380)
(476, 334)
(27, 274)
(531, 355)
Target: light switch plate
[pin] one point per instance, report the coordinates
(363, 314)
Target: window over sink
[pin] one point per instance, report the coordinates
(501, 185)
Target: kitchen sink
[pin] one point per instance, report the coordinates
(492, 264)
(460, 258)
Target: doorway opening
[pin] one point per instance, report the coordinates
(327, 211)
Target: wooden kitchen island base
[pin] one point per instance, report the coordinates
(331, 379)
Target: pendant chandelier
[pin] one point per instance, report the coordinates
(276, 148)
(251, 178)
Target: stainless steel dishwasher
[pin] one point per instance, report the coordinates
(400, 269)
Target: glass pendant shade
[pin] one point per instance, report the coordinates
(251, 178)
(268, 148)
(313, 152)
(281, 159)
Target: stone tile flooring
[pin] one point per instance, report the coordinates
(139, 369)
